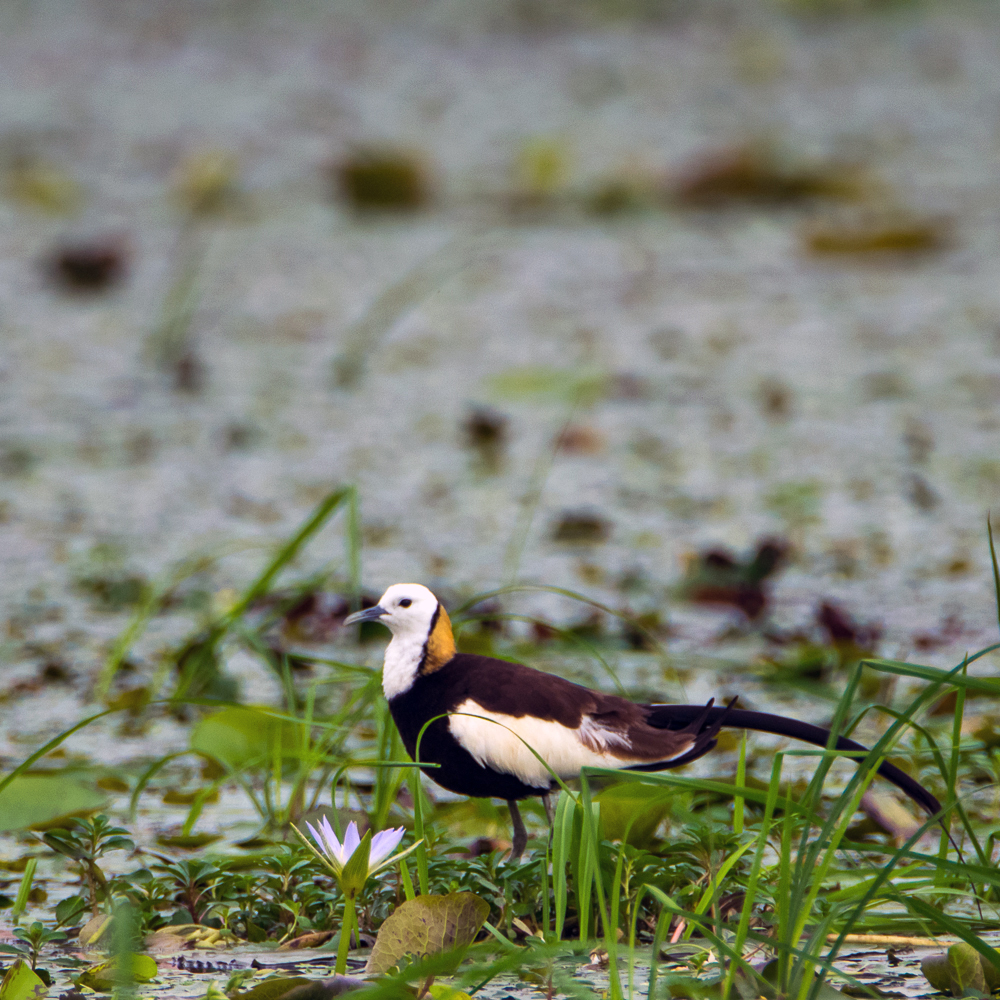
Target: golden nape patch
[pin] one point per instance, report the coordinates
(440, 646)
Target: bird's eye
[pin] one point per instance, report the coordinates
(405, 602)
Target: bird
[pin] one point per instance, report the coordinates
(483, 720)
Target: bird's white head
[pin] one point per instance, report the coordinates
(422, 639)
(404, 608)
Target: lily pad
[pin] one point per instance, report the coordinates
(325, 989)
(272, 989)
(21, 983)
(300, 988)
(105, 977)
(188, 842)
(34, 800)
(428, 925)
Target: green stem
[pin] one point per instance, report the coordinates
(350, 919)
(741, 780)
(418, 829)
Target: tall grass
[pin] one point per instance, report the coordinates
(805, 884)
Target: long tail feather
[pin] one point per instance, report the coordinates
(705, 726)
(682, 716)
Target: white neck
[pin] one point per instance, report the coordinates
(402, 660)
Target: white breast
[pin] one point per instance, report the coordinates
(402, 660)
(498, 741)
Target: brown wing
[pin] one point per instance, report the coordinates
(517, 690)
(616, 725)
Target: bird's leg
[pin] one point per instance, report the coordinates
(520, 841)
(550, 811)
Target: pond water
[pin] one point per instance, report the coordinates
(895, 971)
(523, 386)
(738, 386)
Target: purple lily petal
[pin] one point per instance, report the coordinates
(333, 842)
(337, 854)
(318, 837)
(351, 841)
(328, 842)
(383, 844)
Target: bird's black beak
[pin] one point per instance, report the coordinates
(368, 615)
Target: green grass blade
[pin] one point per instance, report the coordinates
(993, 563)
(562, 843)
(755, 870)
(741, 777)
(24, 890)
(532, 499)
(352, 533)
(662, 923)
(53, 743)
(986, 685)
(320, 515)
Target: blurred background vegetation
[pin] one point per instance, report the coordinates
(661, 338)
(689, 305)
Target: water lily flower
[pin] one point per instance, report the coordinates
(337, 854)
(353, 861)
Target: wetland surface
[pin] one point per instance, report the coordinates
(675, 278)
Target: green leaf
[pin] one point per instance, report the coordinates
(630, 810)
(355, 872)
(986, 953)
(442, 991)
(94, 929)
(428, 925)
(190, 842)
(985, 685)
(563, 385)
(117, 844)
(243, 736)
(68, 909)
(105, 977)
(937, 971)
(326, 989)
(21, 983)
(965, 970)
(748, 986)
(41, 799)
(272, 989)
(991, 974)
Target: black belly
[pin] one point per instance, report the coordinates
(458, 770)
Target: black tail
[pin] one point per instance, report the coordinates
(682, 716)
(705, 725)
